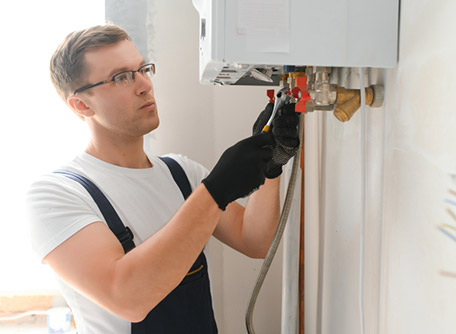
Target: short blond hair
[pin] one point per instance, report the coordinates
(67, 66)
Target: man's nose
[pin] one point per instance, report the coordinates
(143, 83)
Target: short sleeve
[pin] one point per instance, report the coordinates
(57, 208)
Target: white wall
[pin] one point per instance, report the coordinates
(420, 160)
(411, 162)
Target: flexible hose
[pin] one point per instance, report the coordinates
(277, 237)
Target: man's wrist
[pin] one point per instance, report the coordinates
(214, 194)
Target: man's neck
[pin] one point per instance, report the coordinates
(128, 155)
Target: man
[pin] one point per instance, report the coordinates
(154, 287)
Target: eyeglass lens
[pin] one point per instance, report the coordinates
(127, 77)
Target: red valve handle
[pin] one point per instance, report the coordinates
(270, 94)
(301, 82)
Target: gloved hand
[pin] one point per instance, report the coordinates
(240, 169)
(285, 130)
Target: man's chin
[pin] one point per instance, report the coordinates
(153, 128)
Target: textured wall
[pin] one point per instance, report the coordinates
(137, 18)
(420, 160)
(409, 283)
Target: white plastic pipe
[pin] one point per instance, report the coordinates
(363, 200)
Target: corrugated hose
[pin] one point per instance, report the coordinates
(277, 237)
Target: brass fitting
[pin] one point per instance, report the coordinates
(283, 81)
(349, 100)
(298, 74)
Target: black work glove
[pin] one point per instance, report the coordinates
(240, 169)
(285, 130)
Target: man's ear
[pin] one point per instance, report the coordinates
(79, 106)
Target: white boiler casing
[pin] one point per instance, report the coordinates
(238, 35)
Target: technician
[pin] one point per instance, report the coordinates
(153, 278)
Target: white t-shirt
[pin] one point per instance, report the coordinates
(144, 199)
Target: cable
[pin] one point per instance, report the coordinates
(277, 237)
(363, 200)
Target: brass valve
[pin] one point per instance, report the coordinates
(349, 100)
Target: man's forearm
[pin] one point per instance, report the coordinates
(261, 217)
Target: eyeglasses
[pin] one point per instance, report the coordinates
(123, 78)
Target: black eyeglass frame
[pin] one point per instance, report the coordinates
(112, 79)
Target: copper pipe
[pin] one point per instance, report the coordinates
(302, 237)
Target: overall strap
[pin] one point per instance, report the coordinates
(122, 232)
(179, 176)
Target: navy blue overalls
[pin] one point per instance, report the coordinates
(188, 308)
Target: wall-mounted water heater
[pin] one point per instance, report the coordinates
(249, 41)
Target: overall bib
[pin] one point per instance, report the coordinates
(188, 308)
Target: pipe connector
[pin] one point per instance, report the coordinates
(323, 94)
(349, 101)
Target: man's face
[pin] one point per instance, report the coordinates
(122, 111)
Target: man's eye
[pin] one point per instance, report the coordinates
(122, 77)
